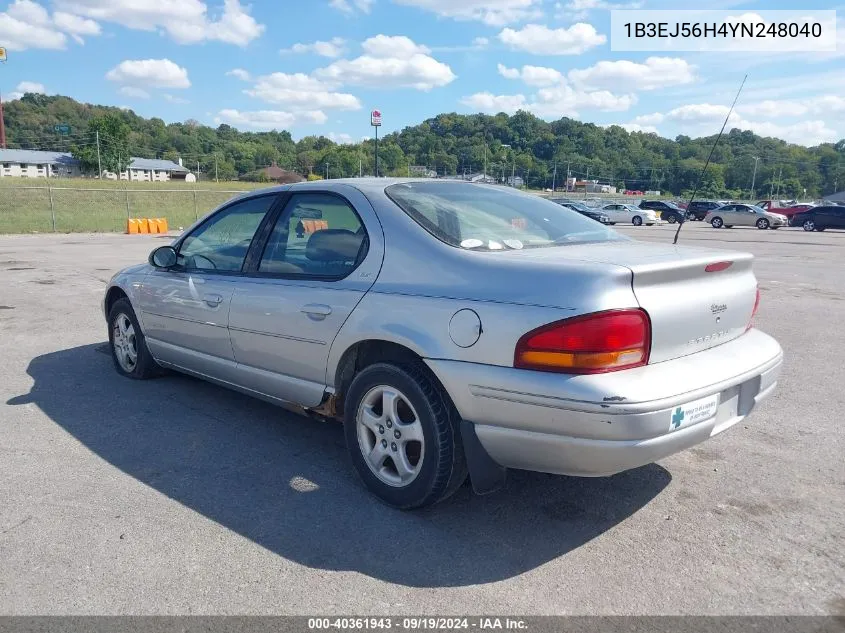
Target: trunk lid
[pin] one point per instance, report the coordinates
(691, 310)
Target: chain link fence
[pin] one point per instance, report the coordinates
(75, 210)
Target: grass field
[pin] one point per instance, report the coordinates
(78, 205)
(68, 206)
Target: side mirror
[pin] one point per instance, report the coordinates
(163, 257)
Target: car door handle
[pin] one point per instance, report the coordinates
(212, 300)
(317, 311)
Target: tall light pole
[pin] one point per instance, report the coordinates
(754, 175)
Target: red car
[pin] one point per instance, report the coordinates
(769, 205)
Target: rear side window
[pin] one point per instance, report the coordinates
(490, 218)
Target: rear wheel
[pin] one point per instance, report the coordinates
(762, 224)
(637, 221)
(403, 435)
(809, 225)
(671, 219)
(717, 223)
(691, 216)
(128, 345)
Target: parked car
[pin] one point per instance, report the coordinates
(448, 337)
(698, 209)
(668, 211)
(782, 208)
(820, 218)
(595, 214)
(744, 215)
(629, 214)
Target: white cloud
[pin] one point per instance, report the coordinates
(26, 86)
(480, 42)
(625, 75)
(636, 127)
(186, 21)
(239, 73)
(563, 100)
(488, 102)
(555, 102)
(389, 62)
(341, 138)
(26, 24)
(134, 93)
(350, 6)
(269, 119)
(830, 106)
(702, 119)
(301, 92)
(491, 12)
(332, 48)
(398, 46)
(541, 40)
(532, 75)
(579, 9)
(174, 99)
(149, 73)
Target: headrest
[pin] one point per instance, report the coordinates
(333, 245)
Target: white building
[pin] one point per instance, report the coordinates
(151, 170)
(27, 163)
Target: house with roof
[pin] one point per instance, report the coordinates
(27, 163)
(274, 173)
(152, 170)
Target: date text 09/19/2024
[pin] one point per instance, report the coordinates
(417, 623)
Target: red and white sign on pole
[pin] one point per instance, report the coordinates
(375, 118)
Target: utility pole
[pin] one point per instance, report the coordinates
(360, 167)
(754, 175)
(215, 169)
(198, 171)
(99, 164)
(568, 176)
(527, 174)
(2, 126)
(485, 162)
(327, 171)
(780, 173)
(554, 177)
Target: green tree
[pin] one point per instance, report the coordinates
(111, 134)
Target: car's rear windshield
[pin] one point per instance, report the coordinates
(493, 218)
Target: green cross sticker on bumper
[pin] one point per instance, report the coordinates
(677, 417)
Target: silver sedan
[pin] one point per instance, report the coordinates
(453, 328)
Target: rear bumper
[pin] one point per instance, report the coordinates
(604, 424)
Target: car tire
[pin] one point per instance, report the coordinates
(671, 219)
(433, 465)
(691, 217)
(809, 225)
(717, 222)
(637, 221)
(763, 224)
(128, 346)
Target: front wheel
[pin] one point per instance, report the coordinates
(403, 435)
(809, 225)
(128, 345)
(717, 223)
(762, 224)
(671, 219)
(637, 221)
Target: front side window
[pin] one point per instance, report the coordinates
(480, 217)
(317, 235)
(221, 243)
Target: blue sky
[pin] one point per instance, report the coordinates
(319, 67)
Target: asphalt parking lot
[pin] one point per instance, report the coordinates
(174, 496)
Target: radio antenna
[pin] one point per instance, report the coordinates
(712, 149)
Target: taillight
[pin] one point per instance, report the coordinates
(754, 311)
(717, 266)
(590, 344)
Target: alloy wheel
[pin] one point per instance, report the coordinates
(390, 436)
(125, 343)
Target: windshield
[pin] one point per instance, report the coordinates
(490, 218)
